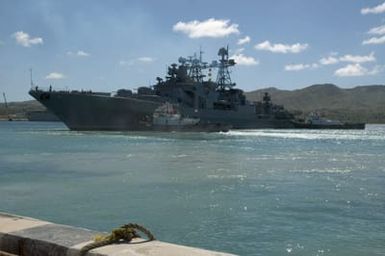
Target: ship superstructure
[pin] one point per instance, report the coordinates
(188, 86)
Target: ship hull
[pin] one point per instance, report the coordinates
(345, 126)
(192, 128)
(87, 112)
(91, 111)
(41, 116)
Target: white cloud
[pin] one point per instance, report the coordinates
(126, 62)
(375, 40)
(239, 50)
(298, 67)
(83, 54)
(329, 60)
(377, 30)
(380, 30)
(334, 59)
(25, 40)
(55, 76)
(351, 70)
(208, 28)
(244, 40)
(356, 70)
(145, 59)
(243, 60)
(375, 10)
(358, 58)
(139, 60)
(314, 65)
(281, 48)
(78, 53)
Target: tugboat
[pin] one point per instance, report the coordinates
(314, 121)
(188, 86)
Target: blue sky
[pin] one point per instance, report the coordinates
(104, 45)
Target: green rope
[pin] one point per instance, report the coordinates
(123, 234)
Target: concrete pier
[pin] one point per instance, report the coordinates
(26, 236)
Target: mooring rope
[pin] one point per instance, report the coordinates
(123, 234)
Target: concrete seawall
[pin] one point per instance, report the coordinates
(26, 236)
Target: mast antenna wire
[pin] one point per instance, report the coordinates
(30, 73)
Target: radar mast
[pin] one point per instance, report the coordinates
(196, 65)
(223, 77)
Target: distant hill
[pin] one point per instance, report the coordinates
(359, 104)
(18, 110)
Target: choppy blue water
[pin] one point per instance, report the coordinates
(262, 192)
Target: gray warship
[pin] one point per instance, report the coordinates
(188, 88)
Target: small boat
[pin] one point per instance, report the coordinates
(314, 121)
(168, 118)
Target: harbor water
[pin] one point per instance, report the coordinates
(252, 192)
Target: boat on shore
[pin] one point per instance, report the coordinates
(314, 121)
(188, 86)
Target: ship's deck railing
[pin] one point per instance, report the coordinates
(50, 88)
(66, 90)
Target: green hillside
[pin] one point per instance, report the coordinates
(359, 104)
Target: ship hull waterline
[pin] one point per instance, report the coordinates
(92, 112)
(344, 126)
